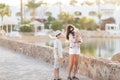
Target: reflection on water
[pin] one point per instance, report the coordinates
(101, 47)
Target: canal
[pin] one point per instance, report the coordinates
(102, 47)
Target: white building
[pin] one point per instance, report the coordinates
(107, 10)
(112, 28)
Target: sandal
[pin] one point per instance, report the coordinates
(69, 78)
(59, 79)
(75, 78)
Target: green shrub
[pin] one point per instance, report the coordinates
(47, 25)
(87, 23)
(50, 19)
(84, 23)
(25, 28)
(57, 25)
(49, 44)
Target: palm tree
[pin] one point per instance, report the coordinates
(48, 13)
(98, 3)
(65, 17)
(21, 11)
(49, 17)
(59, 4)
(116, 2)
(73, 2)
(33, 5)
(4, 10)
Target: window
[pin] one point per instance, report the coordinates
(112, 27)
(77, 13)
(92, 13)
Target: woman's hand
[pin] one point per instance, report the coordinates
(78, 40)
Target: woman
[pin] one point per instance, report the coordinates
(74, 50)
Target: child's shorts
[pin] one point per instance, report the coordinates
(56, 63)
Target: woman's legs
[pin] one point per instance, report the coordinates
(71, 61)
(76, 59)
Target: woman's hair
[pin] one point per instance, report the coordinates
(69, 31)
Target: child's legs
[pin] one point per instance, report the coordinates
(56, 69)
(55, 73)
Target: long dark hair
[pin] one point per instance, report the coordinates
(69, 31)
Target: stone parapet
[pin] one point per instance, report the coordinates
(93, 67)
(99, 68)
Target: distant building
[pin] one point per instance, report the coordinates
(103, 23)
(112, 28)
(107, 10)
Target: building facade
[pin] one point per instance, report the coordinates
(92, 11)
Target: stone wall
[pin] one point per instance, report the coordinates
(99, 68)
(95, 68)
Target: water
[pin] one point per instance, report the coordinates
(102, 47)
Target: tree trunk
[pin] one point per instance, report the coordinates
(21, 11)
(33, 15)
(2, 22)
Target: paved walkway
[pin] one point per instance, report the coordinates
(14, 66)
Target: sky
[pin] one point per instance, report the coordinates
(17, 2)
(12, 2)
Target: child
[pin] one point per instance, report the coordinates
(57, 54)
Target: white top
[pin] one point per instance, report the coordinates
(57, 48)
(73, 43)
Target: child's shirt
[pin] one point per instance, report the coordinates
(57, 48)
